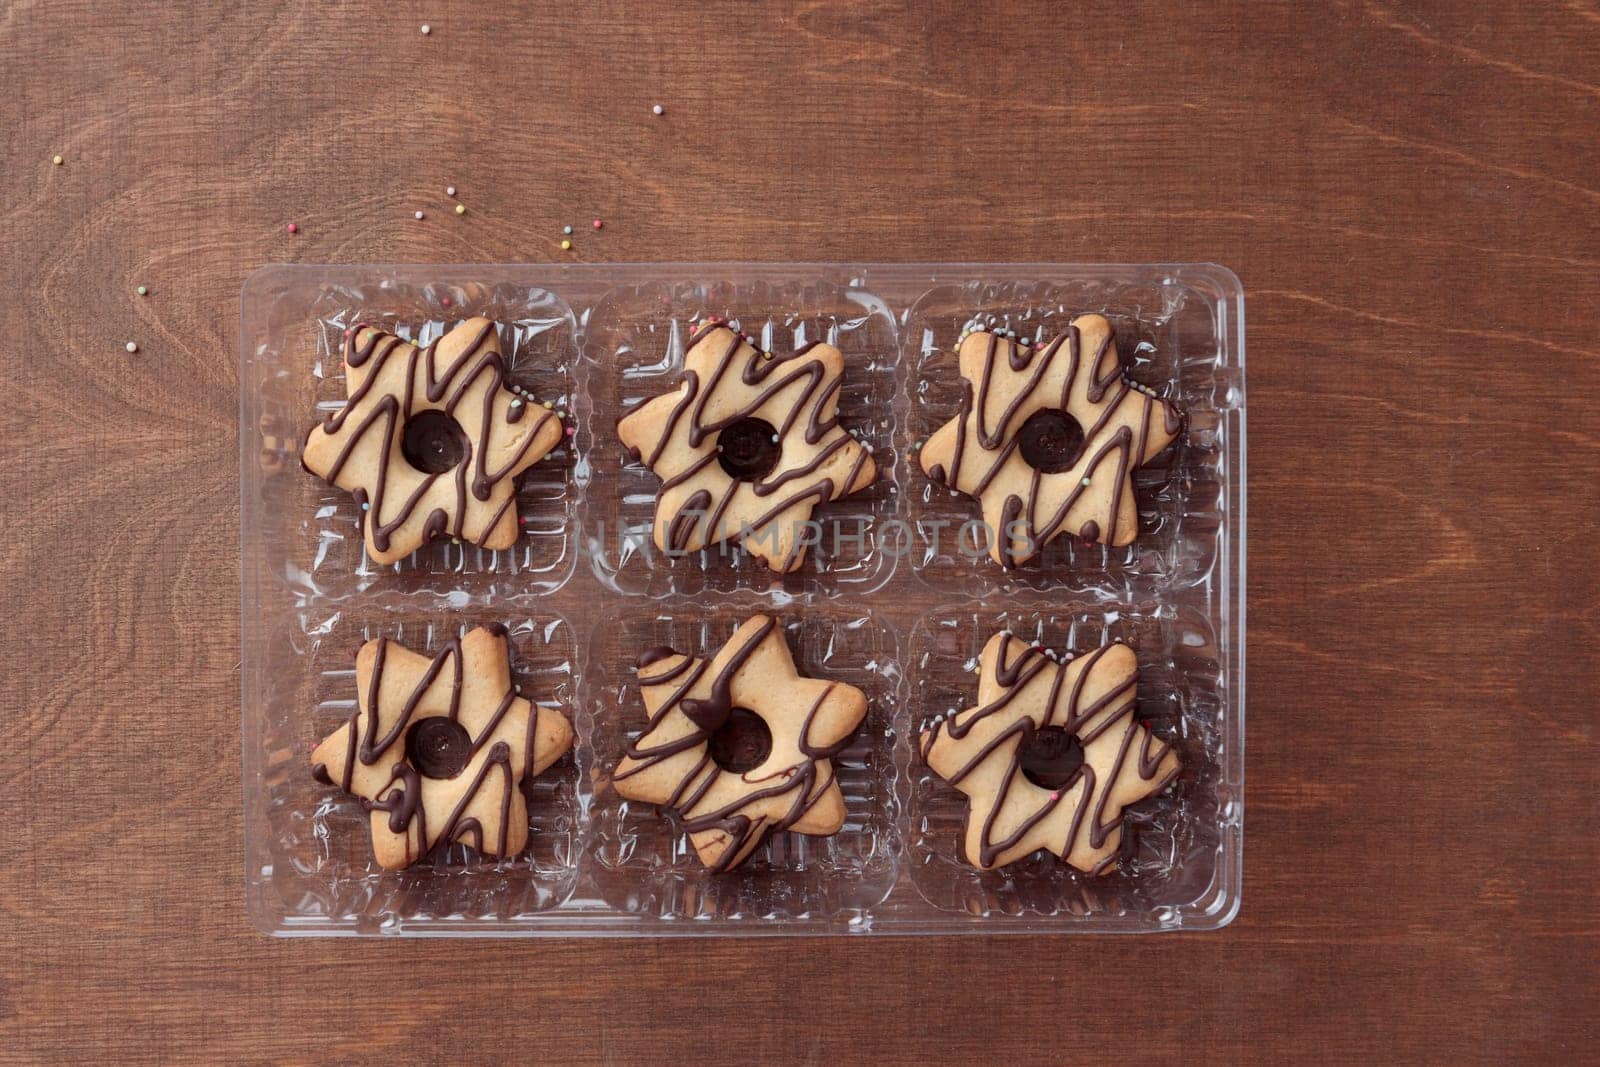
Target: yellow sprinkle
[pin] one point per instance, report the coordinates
(565, 245)
(461, 209)
(57, 160)
(549, 406)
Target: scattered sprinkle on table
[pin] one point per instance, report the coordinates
(598, 224)
(131, 346)
(461, 209)
(426, 29)
(659, 110)
(419, 216)
(57, 160)
(566, 229)
(449, 190)
(294, 228)
(142, 291)
(565, 245)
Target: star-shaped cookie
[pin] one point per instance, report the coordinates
(438, 748)
(1051, 755)
(747, 446)
(678, 761)
(430, 440)
(1047, 438)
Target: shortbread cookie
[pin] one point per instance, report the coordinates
(1047, 438)
(1051, 755)
(438, 749)
(747, 446)
(703, 752)
(430, 440)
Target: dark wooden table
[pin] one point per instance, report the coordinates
(1411, 194)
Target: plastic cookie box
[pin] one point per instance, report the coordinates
(903, 617)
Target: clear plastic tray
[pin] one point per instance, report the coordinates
(902, 618)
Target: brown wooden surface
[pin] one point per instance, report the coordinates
(1411, 194)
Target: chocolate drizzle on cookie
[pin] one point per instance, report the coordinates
(428, 437)
(1070, 441)
(1049, 757)
(741, 820)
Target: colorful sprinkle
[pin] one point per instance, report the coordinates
(142, 291)
(449, 190)
(549, 406)
(294, 227)
(461, 209)
(1084, 483)
(658, 110)
(598, 224)
(426, 29)
(131, 346)
(57, 160)
(1055, 796)
(516, 401)
(570, 431)
(365, 506)
(566, 229)
(419, 216)
(565, 245)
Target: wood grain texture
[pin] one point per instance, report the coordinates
(1411, 194)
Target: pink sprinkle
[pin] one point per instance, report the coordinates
(294, 228)
(598, 224)
(444, 301)
(522, 520)
(348, 332)
(571, 431)
(1055, 796)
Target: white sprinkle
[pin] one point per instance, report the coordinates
(1084, 482)
(131, 346)
(426, 29)
(775, 438)
(449, 190)
(659, 110)
(419, 216)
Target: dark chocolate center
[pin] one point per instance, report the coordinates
(438, 748)
(741, 743)
(1050, 441)
(1051, 757)
(748, 450)
(433, 442)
